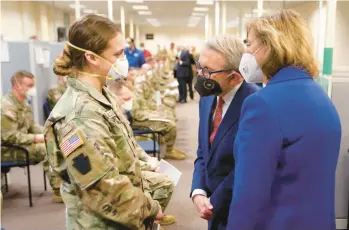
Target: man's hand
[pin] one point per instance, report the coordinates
(203, 206)
(160, 214)
(39, 138)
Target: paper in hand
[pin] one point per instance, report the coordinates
(156, 226)
(169, 170)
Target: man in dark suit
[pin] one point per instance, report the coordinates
(182, 74)
(191, 74)
(222, 91)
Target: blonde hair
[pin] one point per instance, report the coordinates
(288, 42)
(91, 33)
(230, 47)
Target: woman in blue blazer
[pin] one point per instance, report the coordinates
(288, 140)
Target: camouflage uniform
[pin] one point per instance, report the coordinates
(18, 128)
(91, 146)
(54, 94)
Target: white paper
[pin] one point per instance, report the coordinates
(174, 84)
(5, 55)
(172, 172)
(46, 54)
(39, 55)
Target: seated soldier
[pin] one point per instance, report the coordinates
(18, 128)
(55, 93)
(144, 114)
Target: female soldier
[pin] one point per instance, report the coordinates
(88, 139)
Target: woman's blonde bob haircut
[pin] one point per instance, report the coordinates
(288, 42)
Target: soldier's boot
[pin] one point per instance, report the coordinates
(168, 220)
(57, 198)
(175, 154)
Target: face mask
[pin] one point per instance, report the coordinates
(117, 71)
(150, 73)
(207, 86)
(140, 79)
(127, 105)
(31, 92)
(127, 45)
(249, 68)
(65, 79)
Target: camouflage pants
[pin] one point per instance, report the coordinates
(159, 186)
(37, 153)
(168, 128)
(79, 217)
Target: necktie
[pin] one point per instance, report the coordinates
(217, 119)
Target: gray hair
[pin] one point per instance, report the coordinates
(230, 47)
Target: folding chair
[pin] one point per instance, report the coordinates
(7, 165)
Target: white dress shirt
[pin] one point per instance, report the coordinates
(227, 98)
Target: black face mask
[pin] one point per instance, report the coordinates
(207, 87)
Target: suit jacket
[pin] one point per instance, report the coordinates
(214, 166)
(286, 155)
(192, 62)
(182, 70)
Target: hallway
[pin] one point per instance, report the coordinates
(45, 215)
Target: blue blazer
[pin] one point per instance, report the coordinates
(182, 71)
(286, 155)
(214, 166)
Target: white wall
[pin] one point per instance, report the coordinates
(310, 12)
(165, 35)
(20, 20)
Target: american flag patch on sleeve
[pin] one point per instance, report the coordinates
(71, 143)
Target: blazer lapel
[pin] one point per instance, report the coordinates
(230, 118)
(208, 111)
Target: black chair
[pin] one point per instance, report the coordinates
(7, 165)
(150, 147)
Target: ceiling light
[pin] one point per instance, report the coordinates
(197, 14)
(140, 7)
(133, 1)
(89, 11)
(204, 2)
(201, 9)
(144, 12)
(77, 6)
(248, 15)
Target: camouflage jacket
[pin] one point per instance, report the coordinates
(54, 94)
(17, 124)
(89, 140)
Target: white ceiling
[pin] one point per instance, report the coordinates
(173, 13)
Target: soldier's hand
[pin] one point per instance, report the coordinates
(203, 206)
(154, 163)
(160, 215)
(39, 138)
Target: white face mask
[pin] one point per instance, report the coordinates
(127, 105)
(250, 69)
(150, 73)
(31, 92)
(118, 71)
(127, 45)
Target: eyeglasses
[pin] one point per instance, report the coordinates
(207, 73)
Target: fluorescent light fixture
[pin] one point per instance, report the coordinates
(201, 9)
(89, 11)
(133, 1)
(140, 7)
(144, 12)
(154, 22)
(198, 14)
(75, 6)
(204, 2)
(194, 18)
